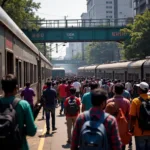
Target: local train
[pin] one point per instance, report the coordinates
(134, 70)
(58, 73)
(19, 56)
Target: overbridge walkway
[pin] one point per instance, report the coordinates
(77, 30)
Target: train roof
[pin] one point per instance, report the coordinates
(136, 64)
(58, 68)
(81, 68)
(118, 65)
(11, 25)
(91, 67)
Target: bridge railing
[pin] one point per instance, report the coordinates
(77, 23)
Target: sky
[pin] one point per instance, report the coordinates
(57, 9)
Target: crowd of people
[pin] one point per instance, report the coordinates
(100, 114)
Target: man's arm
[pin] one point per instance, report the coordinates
(29, 121)
(115, 137)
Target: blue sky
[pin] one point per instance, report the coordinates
(57, 9)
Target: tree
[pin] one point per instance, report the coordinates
(101, 52)
(21, 11)
(78, 56)
(137, 46)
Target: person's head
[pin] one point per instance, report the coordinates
(48, 80)
(49, 84)
(9, 85)
(27, 84)
(64, 82)
(93, 86)
(98, 98)
(73, 91)
(69, 82)
(119, 88)
(143, 88)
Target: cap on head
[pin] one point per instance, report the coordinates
(143, 86)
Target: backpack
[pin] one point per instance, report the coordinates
(10, 135)
(113, 109)
(72, 107)
(144, 115)
(93, 134)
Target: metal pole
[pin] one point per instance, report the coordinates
(45, 49)
(83, 51)
(50, 51)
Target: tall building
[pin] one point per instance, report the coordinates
(102, 9)
(141, 5)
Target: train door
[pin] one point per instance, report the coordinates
(113, 75)
(0, 71)
(125, 76)
(10, 63)
(39, 80)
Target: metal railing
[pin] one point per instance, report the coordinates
(78, 23)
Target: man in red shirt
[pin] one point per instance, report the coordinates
(72, 109)
(62, 95)
(69, 86)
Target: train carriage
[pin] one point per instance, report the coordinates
(19, 56)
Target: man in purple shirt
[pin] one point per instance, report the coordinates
(28, 94)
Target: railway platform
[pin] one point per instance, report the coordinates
(55, 140)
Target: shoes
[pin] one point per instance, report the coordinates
(60, 112)
(69, 141)
(53, 129)
(47, 132)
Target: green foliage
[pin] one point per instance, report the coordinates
(78, 56)
(138, 45)
(21, 11)
(102, 52)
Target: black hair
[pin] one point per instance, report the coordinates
(98, 96)
(27, 84)
(72, 90)
(9, 83)
(49, 84)
(69, 82)
(64, 81)
(144, 91)
(119, 88)
(93, 86)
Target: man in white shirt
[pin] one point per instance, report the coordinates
(77, 86)
(128, 86)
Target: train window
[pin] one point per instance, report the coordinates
(0, 71)
(148, 78)
(25, 73)
(10, 63)
(31, 74)
(35, 74)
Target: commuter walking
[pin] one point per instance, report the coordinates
(77, 86)
(95, 128)
(86, 99)
(14, 137)
(62, 94)
(140, 118)
(72, 109)
(28, 94)
(50, 96)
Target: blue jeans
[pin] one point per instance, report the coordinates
(62, 104)
(142, 142)
(52, 111)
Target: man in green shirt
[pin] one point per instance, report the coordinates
(23, 109)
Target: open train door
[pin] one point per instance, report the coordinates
(39, 80)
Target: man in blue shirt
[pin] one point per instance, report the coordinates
(50, 96)
(86, 99)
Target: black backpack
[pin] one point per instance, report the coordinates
(144, 115)
(72, 107)
(10, 135)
